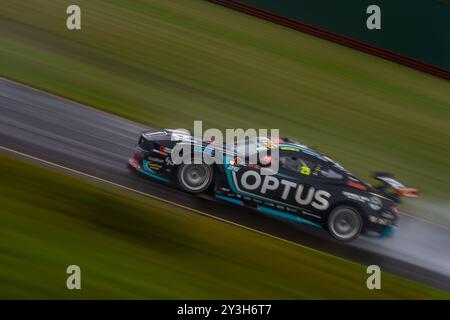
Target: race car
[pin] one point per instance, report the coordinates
(308, 187)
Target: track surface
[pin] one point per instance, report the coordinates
(99, 144)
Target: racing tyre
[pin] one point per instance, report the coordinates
(195, 178)
(344, 223)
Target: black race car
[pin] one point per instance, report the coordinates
(308, 188)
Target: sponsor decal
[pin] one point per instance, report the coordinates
(311, 214)
(387, 215)
(261, 148)
(233, 168)
(168, 162)
(282, 190)
(353, 196)
(373, 202)
(205, 150)
(254, 166)
(317, 170)
(165, 149)
(270, 144)
(160, 152)
(157, 160)
(153, 166)
(305, 170)
(384, 222)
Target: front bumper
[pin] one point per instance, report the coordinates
(380, 232)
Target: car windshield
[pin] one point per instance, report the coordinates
(336, 165)
(247, 147)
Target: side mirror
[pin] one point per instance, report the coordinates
(265, 161)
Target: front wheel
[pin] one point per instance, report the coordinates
(344, 223)
(195, 178)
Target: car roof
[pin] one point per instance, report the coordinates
(302, 148)
(288, 144)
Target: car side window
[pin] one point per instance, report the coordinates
(326, 172)
(296, 163)
(308, 166)
(289, 163)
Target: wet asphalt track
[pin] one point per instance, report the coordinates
(97, 143)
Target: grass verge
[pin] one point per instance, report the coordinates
(130, 247)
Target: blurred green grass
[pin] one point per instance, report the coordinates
(168, 63)
(128, 246)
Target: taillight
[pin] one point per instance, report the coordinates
(137, 157)
(356, 185)
(136, 161)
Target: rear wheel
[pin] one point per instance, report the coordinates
(344, 223)
(195, 178)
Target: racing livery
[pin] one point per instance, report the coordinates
(308, 187)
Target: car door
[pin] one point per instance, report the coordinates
(277, 190)
(302, 182)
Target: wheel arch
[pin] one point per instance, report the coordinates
(347, 203)
(211, 184)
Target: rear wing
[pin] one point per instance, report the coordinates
(399, 190)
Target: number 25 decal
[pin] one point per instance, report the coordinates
(305, 170)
